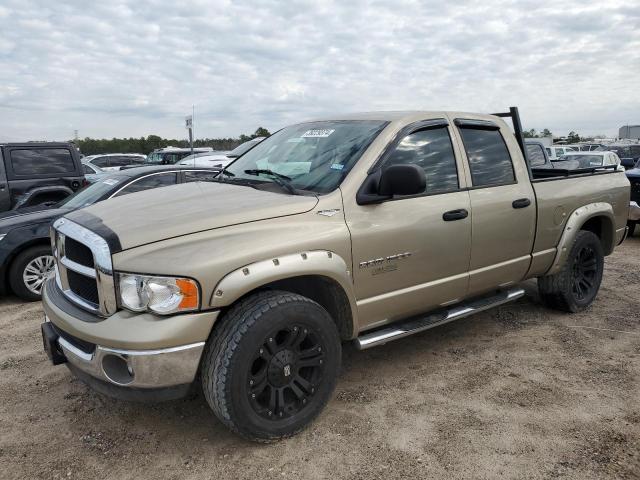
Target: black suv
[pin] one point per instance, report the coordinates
(38, 173)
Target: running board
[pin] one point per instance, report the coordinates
(404, 328)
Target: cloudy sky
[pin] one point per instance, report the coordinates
(134, 68)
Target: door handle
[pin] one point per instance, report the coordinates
(452, 215)
(521, 203)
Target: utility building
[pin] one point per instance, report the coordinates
(629, 131)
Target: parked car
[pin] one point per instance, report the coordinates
(586, 147)
(36, 173)
(537, 154)
(629, 153)
(634, 206)
(25, 249)
(91, 169)
(222, 159)
(92, 173)
(357, 228)
(573, 160)
(555, 152)
(114, 161)
(172, 155)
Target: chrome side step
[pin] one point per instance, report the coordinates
(404, 328)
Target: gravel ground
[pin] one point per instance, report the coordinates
(516, 392)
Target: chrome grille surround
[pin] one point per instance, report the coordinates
(101, 273)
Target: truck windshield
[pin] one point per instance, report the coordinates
(314, 156)
(91, 194)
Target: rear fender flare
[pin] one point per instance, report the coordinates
(574, 223)
(255, 275)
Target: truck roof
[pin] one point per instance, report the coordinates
(403, 115)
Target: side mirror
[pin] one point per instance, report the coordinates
(402, 180)
(392, 180)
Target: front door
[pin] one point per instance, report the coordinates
(411, 254)
(503, 207)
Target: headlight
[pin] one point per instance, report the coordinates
(2, 235)
(163, 295)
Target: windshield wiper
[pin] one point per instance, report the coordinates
(278, 178)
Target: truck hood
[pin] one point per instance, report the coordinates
(153, 215)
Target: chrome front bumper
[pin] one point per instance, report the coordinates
(167, 367)
(634, 211)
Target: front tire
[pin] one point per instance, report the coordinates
(271, 365)
(632, 229)
(29, 271)
(576, 285)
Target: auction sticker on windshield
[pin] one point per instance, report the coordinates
(317, 133)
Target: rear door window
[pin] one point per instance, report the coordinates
(41, 161)
(488, 156)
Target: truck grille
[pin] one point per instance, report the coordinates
(84, 287)
(77, 252)
(83, 267)
(635, 189)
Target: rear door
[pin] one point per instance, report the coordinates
(502, 204)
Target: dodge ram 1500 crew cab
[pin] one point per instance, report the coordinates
(367, 228)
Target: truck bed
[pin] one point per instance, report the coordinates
(558, 196)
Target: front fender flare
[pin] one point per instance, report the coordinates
(574, 223)
(250, 277)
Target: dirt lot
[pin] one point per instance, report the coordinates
(517, 392)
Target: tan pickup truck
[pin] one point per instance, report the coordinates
(363, 228)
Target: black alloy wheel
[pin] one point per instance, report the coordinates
(585, 272)
(575, 286)
(285, 371)
(271, 364)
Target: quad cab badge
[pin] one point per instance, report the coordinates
(384, 261)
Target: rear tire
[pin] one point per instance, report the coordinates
(29, 271)
(576, 285)
(271, 365)
(632, 229)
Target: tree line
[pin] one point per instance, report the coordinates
(572, 137)
(146, 145)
